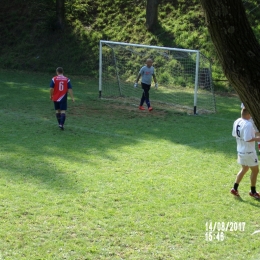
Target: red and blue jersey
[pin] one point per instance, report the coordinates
(60, 85)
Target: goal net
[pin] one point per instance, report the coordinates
(183, 76)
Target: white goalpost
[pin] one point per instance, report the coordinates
(184, 76)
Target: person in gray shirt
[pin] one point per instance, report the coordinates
(147, 73)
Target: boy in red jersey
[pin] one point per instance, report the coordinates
(59, 87)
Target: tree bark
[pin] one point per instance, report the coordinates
(151, 14)
(60, 13)
(237, 49)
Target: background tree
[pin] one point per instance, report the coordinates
(151, 14)
(237, 49)
(60, 13)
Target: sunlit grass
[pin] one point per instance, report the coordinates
(118, 183)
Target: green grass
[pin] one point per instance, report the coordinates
(118, 183)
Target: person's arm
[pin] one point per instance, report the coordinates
(71, 94)
(138, 77)
(254, 139)
(51, 89)
(70, 90)
(249, 133)
(51, 93)
(154, 79)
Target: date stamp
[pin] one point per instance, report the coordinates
(218, 229)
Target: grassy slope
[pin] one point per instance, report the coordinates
(30, 41)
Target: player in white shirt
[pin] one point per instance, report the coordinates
(244, 133)
(253, 123)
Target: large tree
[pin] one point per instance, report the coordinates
(237, 49)
(151, 14)
(60, 13)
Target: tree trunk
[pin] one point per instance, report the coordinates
(237, 48)
(151, 14)
(60, 13)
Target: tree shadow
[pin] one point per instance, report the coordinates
(164, 36)
(93, 127)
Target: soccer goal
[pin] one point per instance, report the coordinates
(184, 76)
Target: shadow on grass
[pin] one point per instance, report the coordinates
(256, 204)
(95, 128)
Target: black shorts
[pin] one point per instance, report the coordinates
(61, 105)
(145, 86)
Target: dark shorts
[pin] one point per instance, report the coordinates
(145, 86)
(61, 105)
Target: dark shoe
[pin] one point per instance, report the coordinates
(254, 195)
(234, 192)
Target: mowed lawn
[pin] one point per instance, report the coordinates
(118, 183)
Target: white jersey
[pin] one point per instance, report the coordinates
(251, 119)
(244, 131)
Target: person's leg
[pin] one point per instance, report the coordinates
(253, 177)
(146, 93)
(63, 108)
(146, 89)
(62, 118)
(253, 165)
(240, 176)
(57, 110)
(244, 168)
(58, 114)
(142, 99)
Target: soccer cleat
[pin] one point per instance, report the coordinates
(234, 192)
(150, 108)
(61, 127)
(254, 195)
(141, 108)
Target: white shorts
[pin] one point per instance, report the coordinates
(247, 159)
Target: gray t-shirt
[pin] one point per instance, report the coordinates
(147, 74)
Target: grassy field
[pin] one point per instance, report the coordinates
(118, 183)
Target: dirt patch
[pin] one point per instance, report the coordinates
(110, 110)
(120, 107)
(133, 109)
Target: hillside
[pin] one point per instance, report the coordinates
(30, 41)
